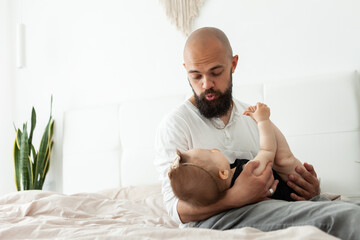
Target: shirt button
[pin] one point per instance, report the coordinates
(227, 135)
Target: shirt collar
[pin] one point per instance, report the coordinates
(219, 124)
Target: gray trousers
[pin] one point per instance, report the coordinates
(338, 218)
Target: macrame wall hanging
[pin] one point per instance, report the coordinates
(182, 13)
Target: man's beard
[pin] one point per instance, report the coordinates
(217, 107)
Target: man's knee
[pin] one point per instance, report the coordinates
(342, 220)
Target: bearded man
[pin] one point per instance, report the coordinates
(212, 118)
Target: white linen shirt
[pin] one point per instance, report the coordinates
(185, 128)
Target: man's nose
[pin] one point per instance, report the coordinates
(207, 83)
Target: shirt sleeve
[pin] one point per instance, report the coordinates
(170, 136)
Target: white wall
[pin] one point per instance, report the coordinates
(87, 52)
(7, 132)
(286, 38)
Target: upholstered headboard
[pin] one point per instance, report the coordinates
(319, 115)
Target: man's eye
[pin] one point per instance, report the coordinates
(217, 73)
(195, 76)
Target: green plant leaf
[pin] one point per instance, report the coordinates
(42, 155)
(18, 138)
(48, 157)
(34, 163)
(17, 159)
(33, 124)
(16, 156)
(49, 151)
(47, 164)
(51, 104)
(25, 165)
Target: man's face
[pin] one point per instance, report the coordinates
(209, 72)
(214, 103)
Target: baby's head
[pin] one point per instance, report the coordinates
(200, 176)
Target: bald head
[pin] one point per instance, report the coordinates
(209, 64)
(204, 37)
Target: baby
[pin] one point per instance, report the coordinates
(202, 176)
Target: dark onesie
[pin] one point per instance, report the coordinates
(282, 191)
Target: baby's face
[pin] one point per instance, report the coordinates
(209, 157)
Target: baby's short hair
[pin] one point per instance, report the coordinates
(194, 183)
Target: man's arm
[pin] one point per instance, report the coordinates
(248, 188)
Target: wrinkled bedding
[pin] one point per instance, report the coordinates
(122, 213)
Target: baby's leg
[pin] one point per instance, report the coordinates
(285, 161)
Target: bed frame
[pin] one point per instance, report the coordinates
(319, 115)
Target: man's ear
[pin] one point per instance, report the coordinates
(223, 174)
(234, 63)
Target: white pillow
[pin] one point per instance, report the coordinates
(138, 121)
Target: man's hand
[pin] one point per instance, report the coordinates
(306, 186)
(251, 188)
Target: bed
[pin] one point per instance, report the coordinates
(122, 213)
(321, 123)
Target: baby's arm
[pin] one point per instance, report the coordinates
(268, 144)
(285, 162)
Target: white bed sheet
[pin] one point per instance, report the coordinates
(122, 213)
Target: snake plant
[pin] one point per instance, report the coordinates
(31, 166)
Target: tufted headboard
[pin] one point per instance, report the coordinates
(319, 115)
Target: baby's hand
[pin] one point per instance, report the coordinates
(259, 113)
